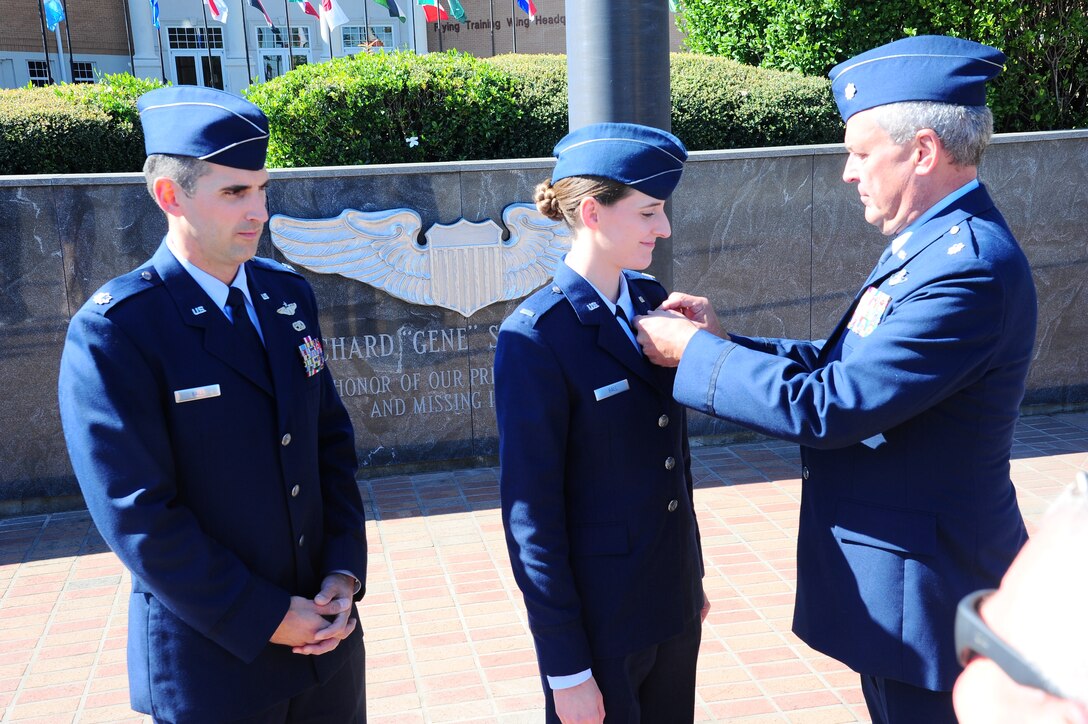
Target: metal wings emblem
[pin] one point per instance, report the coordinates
(463, 266)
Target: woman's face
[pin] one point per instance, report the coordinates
(628, 230)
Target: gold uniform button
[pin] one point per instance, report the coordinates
(294, 491)
(663, 421)
(673, 505)
(285, 440)
(670, 462)
(804, 472)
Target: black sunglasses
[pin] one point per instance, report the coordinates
(975, 638)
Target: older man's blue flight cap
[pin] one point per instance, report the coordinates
(923, 68)
(204, 123)
(647, 159)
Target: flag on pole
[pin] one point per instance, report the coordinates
(433, 10)
(259, 5)
(393, 8)
(308, 8)
(54, 13)
(332, 17)
(457, 11)
(218, 9)
(529, 7)
(155, 13)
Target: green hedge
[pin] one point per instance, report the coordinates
(1044, 86)
(81, 128)
(402, 107)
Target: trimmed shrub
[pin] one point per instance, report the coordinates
(389, 108)
(81, 128)
(541, 82)
(1044, 86)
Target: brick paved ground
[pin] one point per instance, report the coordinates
(445, 627)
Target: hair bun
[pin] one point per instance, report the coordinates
(546, 201)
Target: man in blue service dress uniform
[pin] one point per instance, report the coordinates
(905, 414)
(212, 449)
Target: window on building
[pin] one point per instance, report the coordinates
(360, 39)
(277, 37)
(82, 72)
(39, 72)
(182, 38)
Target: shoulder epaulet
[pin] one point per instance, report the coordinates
(642, 277)
(537, 305)
(273, 265)
(119, 289)
(961, 239)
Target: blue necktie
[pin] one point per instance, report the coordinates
(247, 341)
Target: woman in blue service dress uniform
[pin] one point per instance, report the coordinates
(595, 475)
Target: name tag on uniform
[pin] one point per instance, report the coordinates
(196, 393)
(607, 391)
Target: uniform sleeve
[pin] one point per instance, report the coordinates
(931, 344)
(118, 441)
(533, 412)
(345, 547)
(802, 352)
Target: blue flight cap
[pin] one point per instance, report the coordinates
(923, 68)
(646, 159)
(204, 123)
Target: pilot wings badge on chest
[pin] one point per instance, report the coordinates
(463, 266)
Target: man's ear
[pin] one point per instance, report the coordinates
(588, 212)
(928, 151)
(166, 192)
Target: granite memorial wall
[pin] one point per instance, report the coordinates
(772, 236)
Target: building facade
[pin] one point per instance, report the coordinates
(189, 47)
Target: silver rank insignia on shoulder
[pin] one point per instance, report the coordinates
(145, 275)
(954, 230)
(527, 312)
(556, 289)
(850, 91)
(592, 305)
(103, 298)
(955, 248)
(198, 310)
(299, 325)
(264, 296)
(902, 255)
(898, 278)
(287, 309)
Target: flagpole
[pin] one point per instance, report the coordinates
(366, 25)
(438, 16)
(60, 53)
(514, 25)
(290, 39)
(68, 35)
(128, 38)
(207, 39)
(45, 45)
(245, 37)
(162, 62)
(491, 7)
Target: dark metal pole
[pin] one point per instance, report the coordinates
(45, 45)
(618, 70)
(514, 25)
(618, 62)
(245, 39)
(366, 26)
(207, 39)
(162, 62)
(290, 39)
(491, 7)
(128, 38)
(68, 36)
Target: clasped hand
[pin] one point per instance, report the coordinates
(317, 626)
(665, 332)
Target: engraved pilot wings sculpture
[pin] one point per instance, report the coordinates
(464, 266)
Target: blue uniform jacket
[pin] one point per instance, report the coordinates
(595, 479)
(905, 416)
(223, 506)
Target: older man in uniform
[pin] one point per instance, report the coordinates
(212, 449)
(905, 414)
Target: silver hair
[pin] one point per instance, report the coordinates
(964, 130)
(183, 170)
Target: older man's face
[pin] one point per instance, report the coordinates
(884, 172)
